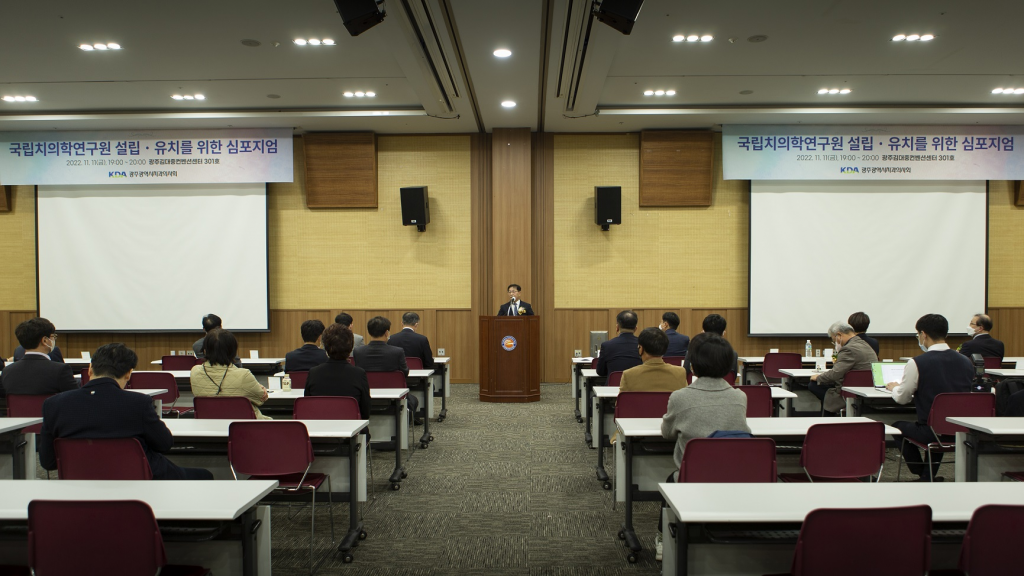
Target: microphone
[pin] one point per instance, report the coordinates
(511, 303)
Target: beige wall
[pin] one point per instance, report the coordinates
(1005, 247)
(18, 247)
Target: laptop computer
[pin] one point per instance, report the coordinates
(884, 372)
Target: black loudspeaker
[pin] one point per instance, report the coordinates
(415, 207)
(360, 15)
(619, 14)
(607, 206)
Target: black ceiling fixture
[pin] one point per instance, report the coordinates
(619, 14)
(360, 15)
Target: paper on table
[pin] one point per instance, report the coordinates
(254, 353)
(274, 382)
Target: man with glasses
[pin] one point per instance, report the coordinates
(37, 372)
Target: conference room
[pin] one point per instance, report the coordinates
(515, 175)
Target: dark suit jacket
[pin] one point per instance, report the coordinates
(618, 354)
(379, 356)
(101, 409)
(871, 342)
(339, 378)
(54, 354)
(983, 344)
(35, 374)
(304, 358)
(523, 306)
(415, 346)
(677, 343)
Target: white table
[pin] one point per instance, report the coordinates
(77, 362)
(1011, 360)
(588, 375)
(21, 447)
(862, 393)
(789, 376)
(748, 362)
(171, 500)
(576, 382)
(442, 370)
(725, 504)
(980, 439)
(1006, 373)
(250, 363)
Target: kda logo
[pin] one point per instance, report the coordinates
(116, 175)
(849, 170)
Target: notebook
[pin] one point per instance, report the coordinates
(884, 372)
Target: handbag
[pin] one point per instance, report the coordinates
(834, 401)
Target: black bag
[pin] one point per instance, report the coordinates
(1008, 402)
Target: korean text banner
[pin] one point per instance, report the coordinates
(873, 152)
(146, 157)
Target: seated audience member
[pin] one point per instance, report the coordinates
(103, 409)
(346, 320)
(219, 377)
(36, 372)
(620, 353)
(337, 377)
(53, 352)
(310, 354)
(654, 375)
(939, 370)
(981, 341)
(714, 324)
(211, 322)
(852, 353)
(860, 323)
(379, 356)
(415, 345)
(677, 343)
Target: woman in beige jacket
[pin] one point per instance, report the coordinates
(219, 377)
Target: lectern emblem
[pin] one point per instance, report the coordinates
(508, 343)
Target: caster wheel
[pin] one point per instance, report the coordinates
(607, 485)
(423, 445)
(396, 486)
(347, 558)
(632, 558)
(362, 534)
(579, 420)
(405, 474)
(431, 438)
(439, 420)
(622, 535)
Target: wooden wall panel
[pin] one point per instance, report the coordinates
(481, 272)
(18, 246)
(543, 258)
(1005, 256)
(676, 168)
(341, 169)
(511, 212)
(6, 198)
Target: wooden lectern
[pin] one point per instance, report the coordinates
(509, 359)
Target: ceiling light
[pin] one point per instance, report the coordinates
(899, 38)
(100, 46)
(927, 37)
(300, 41)
(360, 94)
(508, 104)
(997, 91)
(327, 42)
(670, 92)
(86, 47)
(913, 37)
(177, 97)
(834, 91)
(678, 38)
(189, 97)
(659, 92)
(19, 98)
(371, 94)
(845, 91)
(348, 94)
(648, 92)
(314, 41)
(8, 98)
(692, 38)
(1019, 91)
(707, 38)
(502, 52)
(31, 99)
(823, 91)
(113, 46)
(200, 97)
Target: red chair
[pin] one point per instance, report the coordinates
(223, 408)
(1014, 476)
(593, 363)
(326, 408)
(85, 375)
(414, 363)
(101, 459)
(775, 361)
(98, 537)
(728, 460)
(160, 381)
(279, 451)
(819, 551)
(674, 360)
(179, 362)
(613, 379)
(27, 406)
(858, 379)
(759, 401)
(950, 405)
(730, 378)
(689, 377)
(386, 379)
(841, 452)
(993, 363)
(991, 544)
(641, 404)
(299, 379)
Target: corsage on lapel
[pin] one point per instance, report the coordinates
(522, 310)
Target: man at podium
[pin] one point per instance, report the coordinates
(515, 306)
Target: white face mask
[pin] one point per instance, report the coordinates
(839, 345)
(923, 347)
(970, 330)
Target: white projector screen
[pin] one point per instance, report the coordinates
(821, 250)
(152, 258)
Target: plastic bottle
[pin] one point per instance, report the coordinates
(286, 384)
(808, 349)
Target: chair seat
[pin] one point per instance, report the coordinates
(291, 481)
(174, 570)
(800, 477)
(178, 411)
(934, 447)
(1015, 476)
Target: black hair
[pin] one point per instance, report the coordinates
(626, 320)
(311, 330)
(220, 347)
(710, 355)
(113, 361)
(653, 341)
(714, 324)
(410, 318)
(859, 321)
(935, 326)
(211, 321)
(31, 332)
(985, 321)
(378, 326)
(343, 318)
(516, 286)
(338, 342)
(672, 318)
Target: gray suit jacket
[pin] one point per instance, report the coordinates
(358, 340)
(379, 356)
(856, 355)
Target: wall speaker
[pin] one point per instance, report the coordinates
(415, 207)
(360, 15)
(607, 206)
(619, 14)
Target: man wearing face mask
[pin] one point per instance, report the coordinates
(677, 343)
(939, 370)
(310, 354)
(852, 353)
(37, 373)
(981, 341)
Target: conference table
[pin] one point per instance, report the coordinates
(1008, 361)
(861, 394)
(695, 512)
(576, 383)
(645, 459)
(1000, 440)
(206, 502)
(1006, 373)
(14, 442)
(748, 362)
(789, 376)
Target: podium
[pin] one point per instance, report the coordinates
(509, 359)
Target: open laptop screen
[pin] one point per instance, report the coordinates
(884, 372)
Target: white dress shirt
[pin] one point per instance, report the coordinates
(513, 310)
(904, 393)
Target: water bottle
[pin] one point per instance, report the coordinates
(808, 349)
(286, 384)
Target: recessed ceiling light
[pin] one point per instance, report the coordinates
(113, 46)
(648, 92)
(300, 41)
(19, 99)
(100, 46)
(327, 42)
(86, 47)
(997, 91)
(670, 92)
(834, 91)
(200, 97)
(707, 38)
(1019, 91)
(659, 92)
(692, 38)
(348, 94)
(508, 104)
(678, 38)
(913, 37)
(502, 52)
(314, 41)
(371, 94)
(31, 99)
(845, 91)
(927, 37)
(360, 94)
(823, 91)
(189, 97)
(899, 38)
(178, 97)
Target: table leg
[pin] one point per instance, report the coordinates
(250, 566)
(682, 549)
(399, 473)
(627, 533)
(602, 476)
(575, 374)
(967, 452)
(789, 401)
(587, 436)
(18, 453)
(426, 438)
(444, 393)
(852, 406)
(355, 527)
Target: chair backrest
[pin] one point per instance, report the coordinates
(759, 401)
(962, 404)
(820, 551)
(27, 406)
(299, 379)
(641, 404)
(689, 377)
(326, 408)
(844, 450)
(614, 378)
(775, 361)
(674, 360)
(730, 378)
(728, 460)
(179, 362)
(85, 376)
(351, 360)
(101, 459)
(107, 536)
(593, 363)
(858, 379)
(414, 363)
(991, 546)
(386, 379)
(993, 363)
(156, 381)
(223, 408)
(270, 448)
